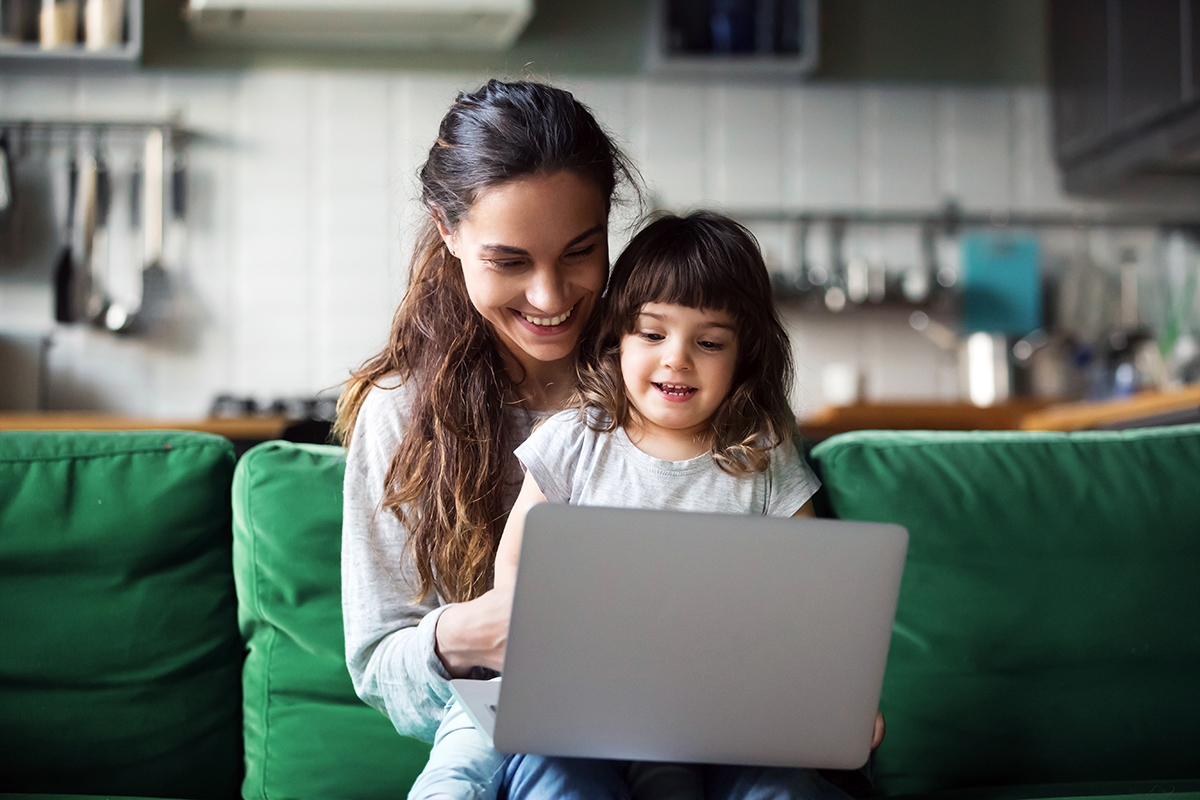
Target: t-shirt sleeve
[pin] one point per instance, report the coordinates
(552, 454)
(792, 481)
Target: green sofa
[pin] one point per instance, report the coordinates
(162, 641)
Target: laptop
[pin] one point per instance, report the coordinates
(711, 638)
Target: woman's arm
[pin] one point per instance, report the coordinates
(477, 632)
(390, 651)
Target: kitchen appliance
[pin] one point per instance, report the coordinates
(426, 24)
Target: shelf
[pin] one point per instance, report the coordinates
(31, 57)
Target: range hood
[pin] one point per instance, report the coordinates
(415, 24)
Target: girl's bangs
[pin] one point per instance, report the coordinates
(683, 279)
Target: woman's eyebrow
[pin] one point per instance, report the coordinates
(508, 249)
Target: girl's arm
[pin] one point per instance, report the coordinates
(509, 550)
(805, 510)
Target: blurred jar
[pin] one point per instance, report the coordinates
(59, 23)
(18, 20)
(103, 21)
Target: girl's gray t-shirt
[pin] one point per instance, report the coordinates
(572, 463)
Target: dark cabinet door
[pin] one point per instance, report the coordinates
(1147, 64)
(1079, 64)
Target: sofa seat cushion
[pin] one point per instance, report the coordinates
(307, 733)
(119, 671)
(1048, 629)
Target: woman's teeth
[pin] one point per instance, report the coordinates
(549, 322)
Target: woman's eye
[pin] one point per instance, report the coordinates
(582, 253)
(505, 264)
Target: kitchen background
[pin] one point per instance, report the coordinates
(288, 252)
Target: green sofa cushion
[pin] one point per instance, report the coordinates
(120, 664)
(1048, 629)
(307, 733)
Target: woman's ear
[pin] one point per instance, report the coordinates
(446, 234)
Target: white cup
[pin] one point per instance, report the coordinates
(841, 384)
(102, 22)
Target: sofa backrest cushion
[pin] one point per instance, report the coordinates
(1048, 628)
(307, 733)
(120, 662)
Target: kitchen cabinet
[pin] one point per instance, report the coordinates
(1124, 79)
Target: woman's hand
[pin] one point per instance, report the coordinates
(474, 633)
(880, 728)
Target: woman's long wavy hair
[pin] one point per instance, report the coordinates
(446, 481)
(706, 261)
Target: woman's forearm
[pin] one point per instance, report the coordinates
(474, 633)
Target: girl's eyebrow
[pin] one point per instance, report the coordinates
(710, 324)
(508, 249)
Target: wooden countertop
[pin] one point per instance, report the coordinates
(1084, 415)
(904, 416)
(1024, 414)
(241, 428)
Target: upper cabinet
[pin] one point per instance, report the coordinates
(1124, 79)
(85, 35)
(733, 38)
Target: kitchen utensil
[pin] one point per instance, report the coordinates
(6, 175)
(1001, 283)
(146, 200)
(64, 269)
(99, 255)
(83, 238)
(984, 368)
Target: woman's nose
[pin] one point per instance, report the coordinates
(546, 290)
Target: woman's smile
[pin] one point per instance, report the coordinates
(548, 326)
(534, 254)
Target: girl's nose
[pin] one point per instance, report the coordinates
(546, 290)
(677, 356)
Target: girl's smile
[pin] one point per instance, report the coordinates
(677, 365)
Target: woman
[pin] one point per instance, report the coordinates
(505, 273)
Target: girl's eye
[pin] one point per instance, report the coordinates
(714, 346)
(650, 336)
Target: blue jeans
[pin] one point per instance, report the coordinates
(548, 778)
(463, 765)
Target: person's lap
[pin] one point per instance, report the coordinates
(527, 777)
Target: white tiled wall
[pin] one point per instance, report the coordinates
(301, 210)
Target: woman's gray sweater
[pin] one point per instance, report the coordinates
(390, 637)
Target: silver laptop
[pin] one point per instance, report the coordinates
(711, 638)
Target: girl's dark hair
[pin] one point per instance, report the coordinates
(446, 481)
(706, 261)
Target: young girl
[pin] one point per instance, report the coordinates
(682, 404)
